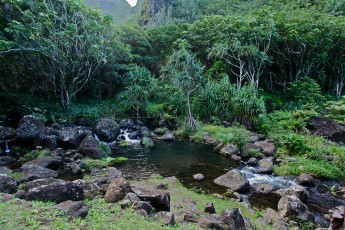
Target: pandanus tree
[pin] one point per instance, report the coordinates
(185, 72)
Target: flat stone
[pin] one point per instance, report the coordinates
(233, 180)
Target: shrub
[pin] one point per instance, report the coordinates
(161, 130)
(336, 110)
(253, 152)
(306, 90)
(238, 137)
(295, 144)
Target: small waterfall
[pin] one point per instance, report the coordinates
(7, 150)
(96, 137)
(277, 181)
(124, 136)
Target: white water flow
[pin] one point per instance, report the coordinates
(124, 136)
(277, 181)
(7, 150)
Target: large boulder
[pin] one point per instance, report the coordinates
(90, 147)
(292, 206)
(56, 192)
(265, 166)
(47, 133)
(233, 180)
(306, 180)
(233, 219)
(107, 130)
(143, 132)
(28, 128)
(8, 184)
(53, 163)
(71, 137)
(73, 208)
(117, 190)
(168, 136)
(91, 189)
(147, 142)
(296, 191)
(39, 182)
(338, 218)
(143, 205)
(328, 128)
(268, 148)
(229, 149)
(159, 200)
(7, 133)
(34, 172)
(126, 124)
(7, 160)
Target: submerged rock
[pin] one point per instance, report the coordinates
(233, 180)
(107, 130)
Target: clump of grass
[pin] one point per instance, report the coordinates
(161, 130)
(32, 155)
(253, 152)
(16, 175)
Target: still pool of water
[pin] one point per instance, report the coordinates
(182, 159)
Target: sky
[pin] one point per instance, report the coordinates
(132, 2)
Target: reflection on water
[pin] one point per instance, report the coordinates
(181, 159)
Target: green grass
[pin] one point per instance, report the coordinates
(161, 130)
(215, 132)
(34, 154)
(16, 175)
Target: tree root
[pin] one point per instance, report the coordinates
(193, 123)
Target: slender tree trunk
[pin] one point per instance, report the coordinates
(191, 121)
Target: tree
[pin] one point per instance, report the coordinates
(64, 40)
(186, 73)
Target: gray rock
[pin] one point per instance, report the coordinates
(159, 200)
(234, 180)
(125, 204)
(306, 180)
(327, 127)
(143, 205)
(265, 166)
(254, 139)
(126, 124)
(236, 158)
(28, 128)
(8, 184)
(338, 218)
(91, 189)
(39, 182)
(7, 133)
(218, 147)
(292, 206)
(147, 142)
(4, 197)
(52, 142)
(210, 208)
(272, 216)
(233, 219)
(168, 136)
(5, 170)
(167, 217)
(7, 160)
(162, 185)
(53, 163)
(133, 135)
(252, 162)
(56, 192)
(71, 137)
(229, 149)
(199, 177)
(90, 147)
(117, 190)
(212, 221)
(107, 130)
(132, 197)
(254, 146)
(41, 138)
(296, 191)
(263, 188)
(143, 132)
(268, 147)
(111, 172)
(280, 225)
(72, 208)
(34, 172)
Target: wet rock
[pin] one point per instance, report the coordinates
(107, 130)
(211, 221)
(162, 185)
(91, 189)
(210, 208)
(338, 218)
(8, 184)
(34, 172)
(72, 208)
(168, 136)
(268, 147)
(229, 149)
(126, 124)
(5, 170)
(4, 197)
(199, 177)
(7, 133)
(133, 135)
(71, 137)
(328, 128)
(143, 132)
(90, 147)
(117, 190)
(252, 162)
(41, 138)
(265, 166)
(236, 158)
(53, 163)
(306, 180)
(52, 142)
(147, 142)
(233, 219)
(143, 205)
(28, 128)
(263, 188)
(167, 217)
(7, 160)
(296, 191)
(292, 206)
(159, 200)
(233, 180)
(56, 192)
